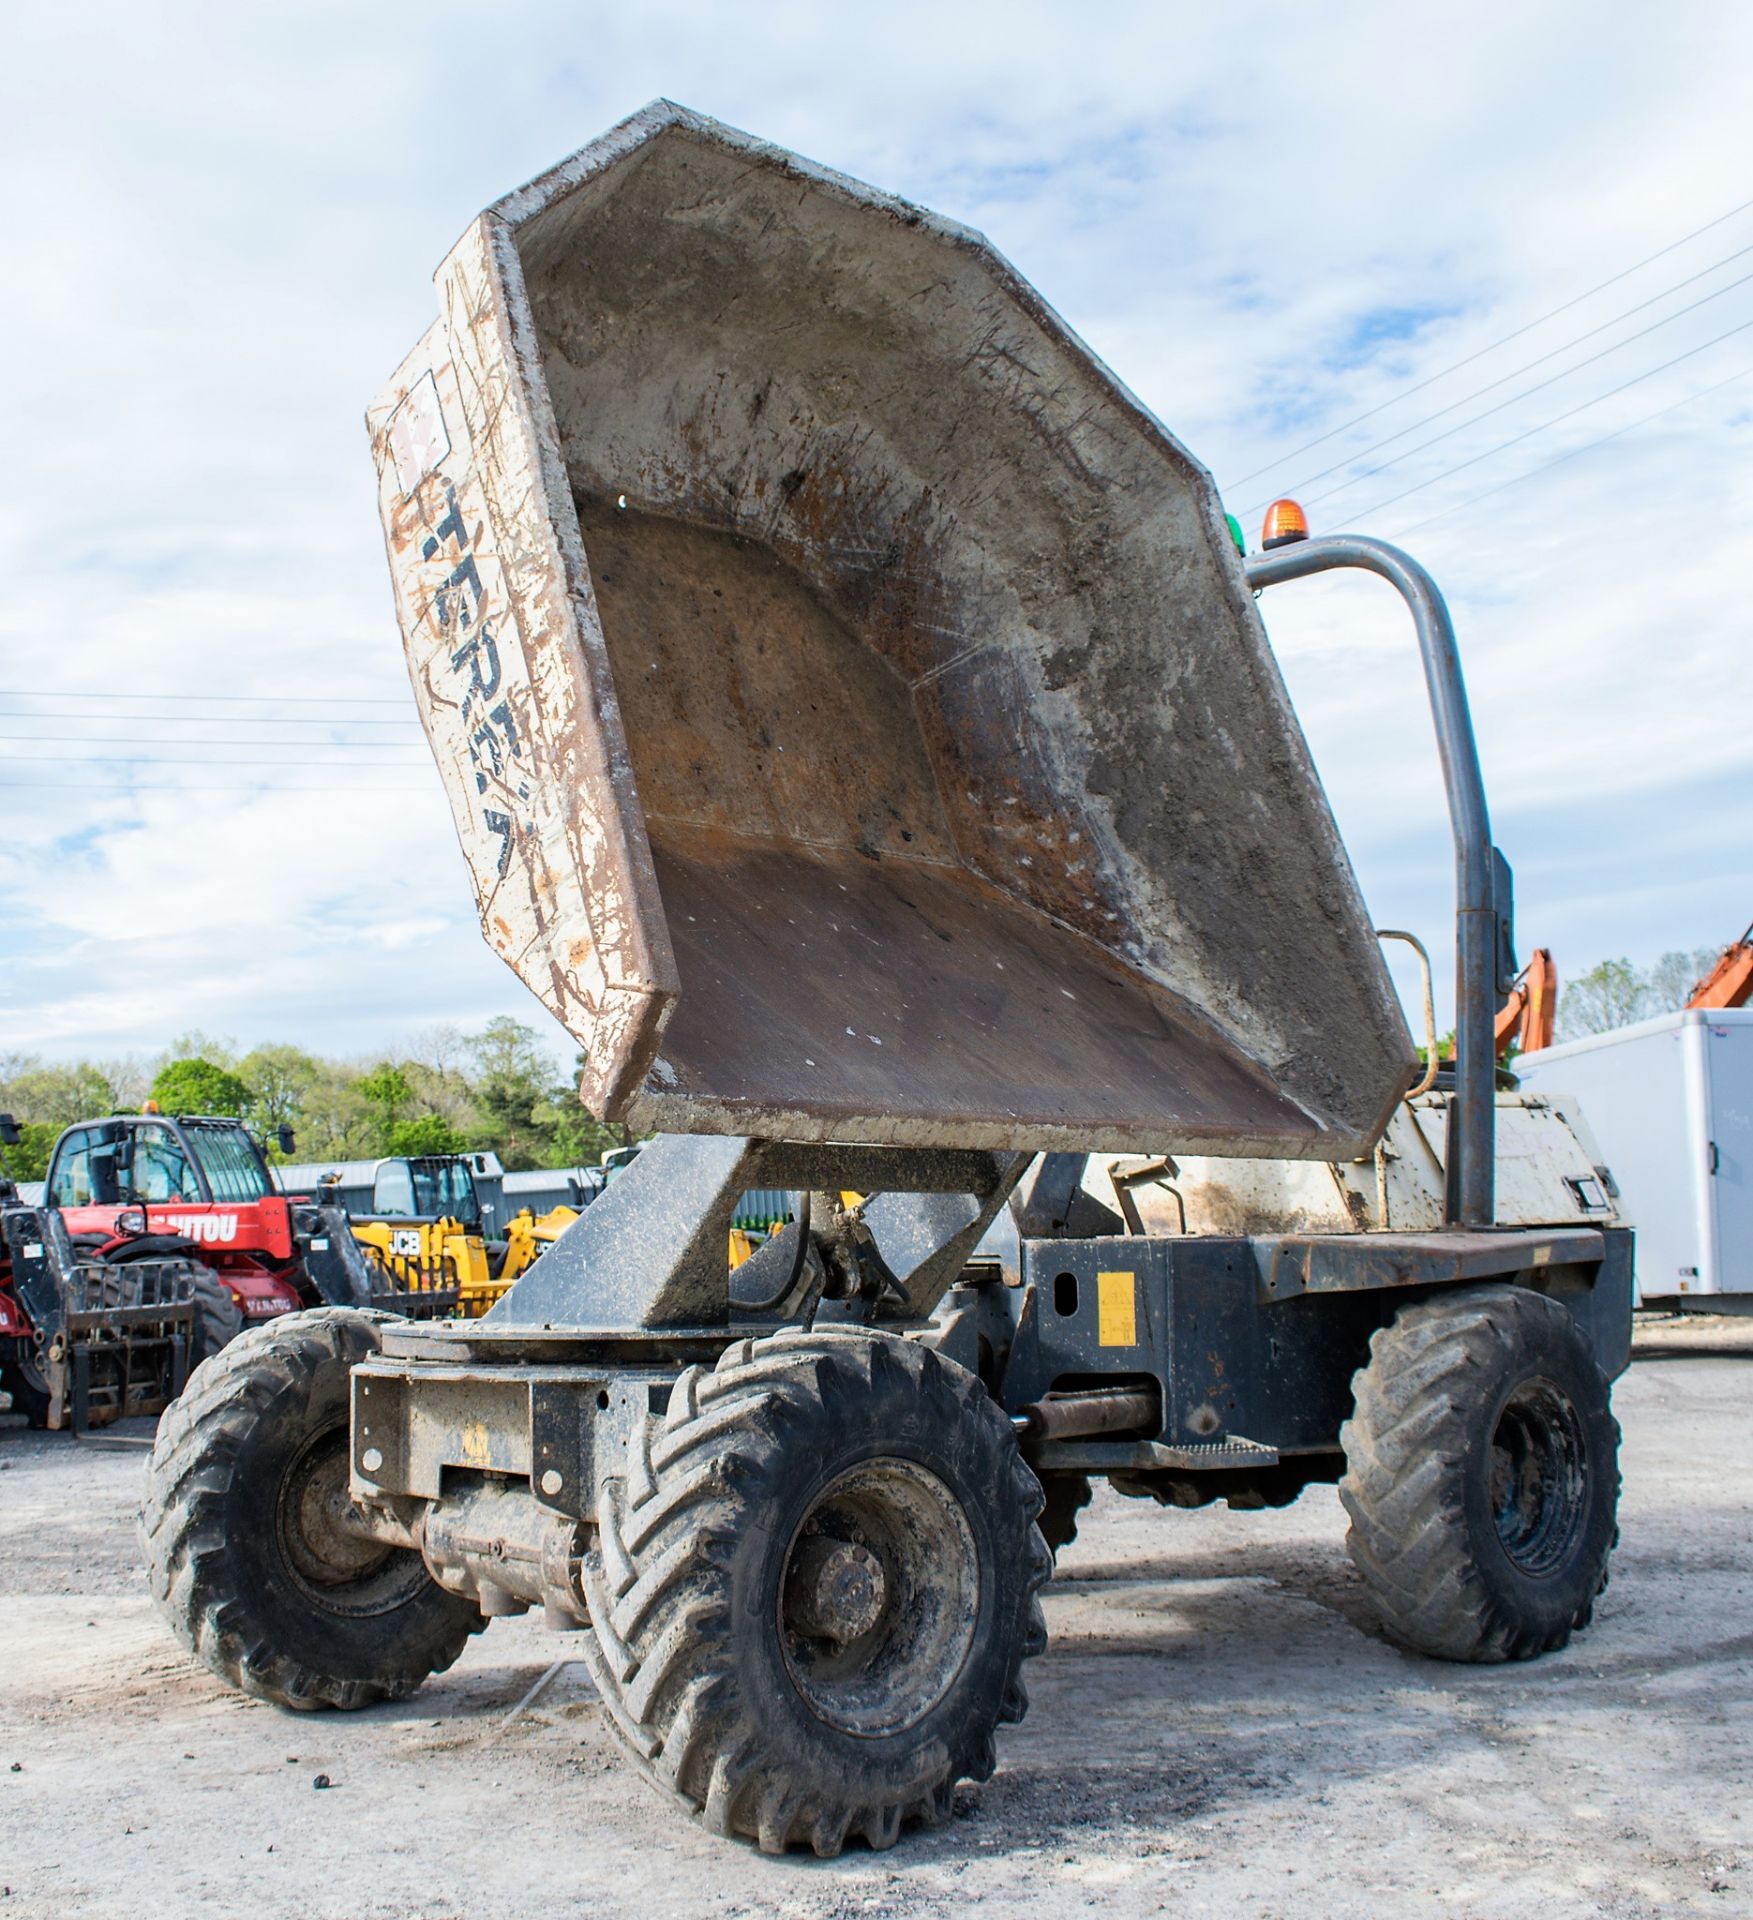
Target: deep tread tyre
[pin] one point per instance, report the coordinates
(144, 1246)
(245, 1464)
(891, 1465)
(218, 1317)
(1067, 1494)
(1482, 1475)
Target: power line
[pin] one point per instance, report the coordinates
(136, 786)
(204, 719)
(1539, 386)
(158, 740)
(1557, 420)
(1406, 393)
(174, 760)
(1558, 460)
(244, 699)
(1528, 366)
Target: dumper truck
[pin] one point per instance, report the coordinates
(861, 733)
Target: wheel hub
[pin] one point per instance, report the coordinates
(840, 1589)
(879, 1597)
(1538, 1477)
(319, 1523)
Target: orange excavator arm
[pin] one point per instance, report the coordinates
(1730, 982)
(1526, 1021)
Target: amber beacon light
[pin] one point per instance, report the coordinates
(1285, 521)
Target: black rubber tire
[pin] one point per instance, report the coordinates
(1482, 1475)
(23, 1379)
(218, 1541)
(689, 1579)
(1067, 1494)
(218, 1317)
(145, 1246)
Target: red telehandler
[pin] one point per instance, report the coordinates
(158, 1239)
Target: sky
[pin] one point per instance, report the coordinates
(1395, 260)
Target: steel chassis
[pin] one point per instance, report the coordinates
(1187, 1368)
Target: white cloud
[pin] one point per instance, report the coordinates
(1267, 224)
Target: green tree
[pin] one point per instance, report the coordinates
(198, 1086)
(1670, 980)
(337, 1122)
(1609, 995)
(512, 1089)
(426, 1133)
(29, 1160)
(500, 1089)
(436, 1065)
(280, 1079)
(576, 1137)
(56, 1096)
(1614, 993)
(197, 1045)
(386, 1090)
(128, 1080)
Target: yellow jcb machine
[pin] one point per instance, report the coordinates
(529, 1235)
(425, 1233)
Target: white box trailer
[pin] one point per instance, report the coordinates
(1671, 1103)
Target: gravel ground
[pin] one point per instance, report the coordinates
(1211, 1733)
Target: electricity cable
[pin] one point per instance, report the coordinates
(1539, 386)
(1588, 446)
(182, 760)
(247, 699)
(218, 746)
(1527, 366)
(203, 719)
(1556, 421)
(1406, 393)
(140, 786)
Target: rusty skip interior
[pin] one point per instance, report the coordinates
(836, 954)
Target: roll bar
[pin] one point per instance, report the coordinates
(1484, 938)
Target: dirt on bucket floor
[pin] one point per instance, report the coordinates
(1211, 1733)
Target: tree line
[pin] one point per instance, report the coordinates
(498, 1090)
(1614, 993)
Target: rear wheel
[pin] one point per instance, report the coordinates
(1067, 1495)
(1482, 1475)
(815, 1588)
(246, 1527)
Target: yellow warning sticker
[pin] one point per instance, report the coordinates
(1116, 1310)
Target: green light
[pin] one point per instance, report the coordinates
(1236, 534)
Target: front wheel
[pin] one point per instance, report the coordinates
(1482, 1475)
(21, 1374)
(816, 1586)
(218, 1317)
(246, 1525)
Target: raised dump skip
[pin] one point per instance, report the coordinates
(848, 698)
